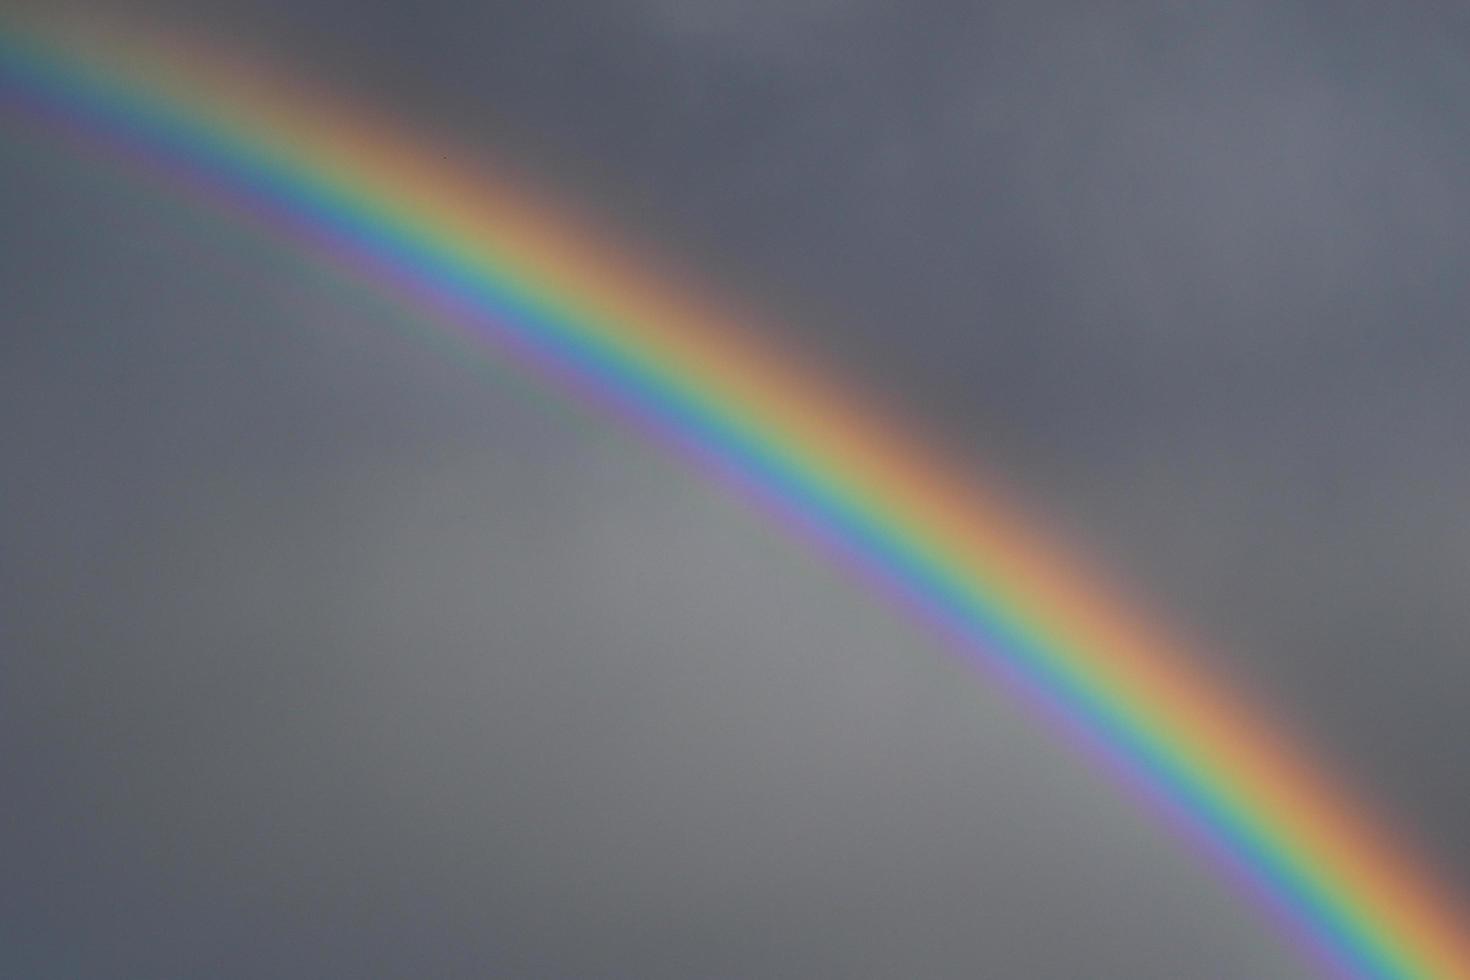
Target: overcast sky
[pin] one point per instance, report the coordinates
(334, 655)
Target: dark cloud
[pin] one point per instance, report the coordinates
(344, 657)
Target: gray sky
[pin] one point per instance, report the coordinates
(337, 656)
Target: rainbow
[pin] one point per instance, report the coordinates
(477, 254)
